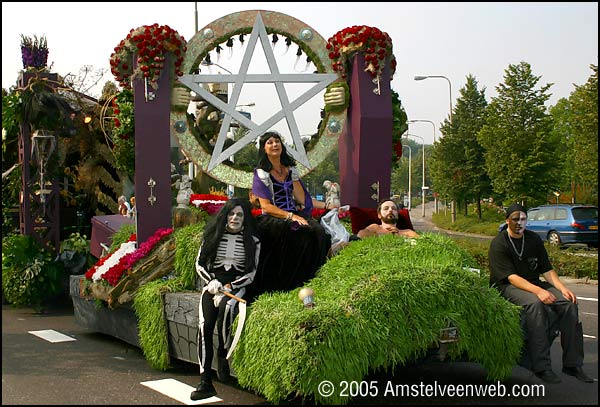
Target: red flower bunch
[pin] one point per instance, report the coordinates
(211, 203)
(114, 274)
(374, 43)
(397, 152)
(150, 43)
(92, 270)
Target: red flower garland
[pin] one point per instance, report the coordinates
(374, 43)
(150, 43)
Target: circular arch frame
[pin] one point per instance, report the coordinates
(217, 32)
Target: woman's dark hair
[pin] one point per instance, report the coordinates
(263, 160)
(213, 232)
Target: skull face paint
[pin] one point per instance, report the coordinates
(235, 219)
(516, 222)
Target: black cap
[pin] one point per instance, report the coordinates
(513, 208)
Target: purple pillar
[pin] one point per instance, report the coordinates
(365, 151)
(152, 155)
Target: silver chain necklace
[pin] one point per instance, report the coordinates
(515, 248)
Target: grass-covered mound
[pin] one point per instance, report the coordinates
(381, 302)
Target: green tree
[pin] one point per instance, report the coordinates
(457, 164)
(562, 130)
(584, 140)
(520, 146)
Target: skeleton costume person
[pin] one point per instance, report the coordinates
(227, 261)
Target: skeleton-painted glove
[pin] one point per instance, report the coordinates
(214, 286)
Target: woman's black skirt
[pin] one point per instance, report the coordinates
(290, 254)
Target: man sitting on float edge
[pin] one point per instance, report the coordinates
(517, 257)
(387, 211)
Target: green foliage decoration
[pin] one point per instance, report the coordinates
(121, 236)
(148, 301)
(380, 302)
(29, 276)
(123, 136)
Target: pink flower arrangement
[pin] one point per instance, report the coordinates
(124, 261)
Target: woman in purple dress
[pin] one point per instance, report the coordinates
(294, 244)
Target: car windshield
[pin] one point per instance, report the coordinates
(585, 213)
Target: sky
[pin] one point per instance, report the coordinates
(558, 39)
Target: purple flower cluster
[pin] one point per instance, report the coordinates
(34, 57)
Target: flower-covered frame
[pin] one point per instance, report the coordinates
(218, 32)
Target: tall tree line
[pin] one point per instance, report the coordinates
(515, 148)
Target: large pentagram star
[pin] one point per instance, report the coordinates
(278, 79)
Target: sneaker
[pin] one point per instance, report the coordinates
(223, 373)
(548, 376)
(578, 373)
(204, 390)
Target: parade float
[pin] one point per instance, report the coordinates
(378, 303)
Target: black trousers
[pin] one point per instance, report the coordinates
(539, 321)
(210, 316)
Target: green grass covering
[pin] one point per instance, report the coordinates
(379, 303)
(148, 301)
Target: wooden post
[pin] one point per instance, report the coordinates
(152, 154)
(365, 152)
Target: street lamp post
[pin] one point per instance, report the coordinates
(423, 187)
(433, 124)
(424, 121)
(409, 176)
(420, 78)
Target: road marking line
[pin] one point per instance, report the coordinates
(178, 391)
(587, 299)
(589, 313)
(589, 336)
(51, 335)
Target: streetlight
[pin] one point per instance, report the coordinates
(433, 124)
(420, 78)
(409, 175)
(423, 187)
(425, 121)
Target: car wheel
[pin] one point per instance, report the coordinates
(554, 238)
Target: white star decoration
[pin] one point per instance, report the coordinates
(278, 79)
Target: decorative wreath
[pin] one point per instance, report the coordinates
(375, 44)
(150, 43)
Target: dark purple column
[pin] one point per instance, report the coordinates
(152, 155)
(365, 151)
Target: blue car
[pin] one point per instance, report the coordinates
(564, 224)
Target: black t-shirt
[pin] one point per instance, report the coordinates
(504, 259)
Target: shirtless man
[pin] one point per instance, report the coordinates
(387, 211)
